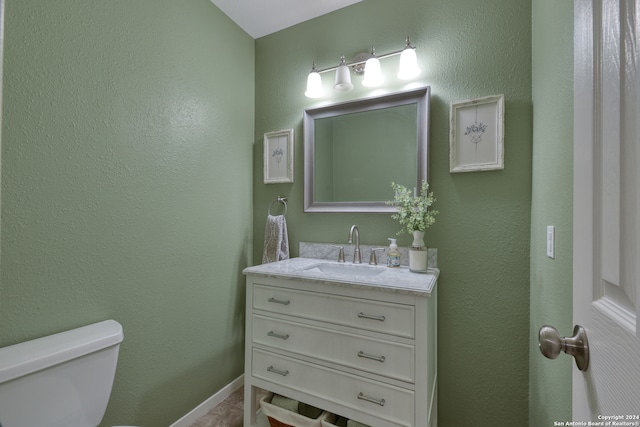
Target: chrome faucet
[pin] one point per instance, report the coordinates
(356, 253)
(340, 255)
(373, 260)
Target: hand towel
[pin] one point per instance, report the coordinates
(341, 422)
(276, 240)
(309, 411)
(352, 423)
(285, 402)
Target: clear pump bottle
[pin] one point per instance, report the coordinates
(393, 257)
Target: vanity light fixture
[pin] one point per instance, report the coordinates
(367, 64)
(372, 73)
(343, 77)
(314, 84)
(408, 63)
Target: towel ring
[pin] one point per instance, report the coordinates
(282, 200)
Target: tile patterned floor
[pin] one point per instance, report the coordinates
(229, 413)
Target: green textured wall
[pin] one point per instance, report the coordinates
(551, 279)
(126, 189)
(467, 49)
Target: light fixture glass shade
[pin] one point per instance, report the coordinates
(408, 64)
(372, 73)
(343, 78)
(314, 85)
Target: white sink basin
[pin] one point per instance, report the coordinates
(346, 269)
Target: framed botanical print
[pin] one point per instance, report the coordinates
(476, 141)
(278, 157)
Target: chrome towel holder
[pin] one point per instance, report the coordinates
(282, 200)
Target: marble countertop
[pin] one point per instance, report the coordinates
(399, 280)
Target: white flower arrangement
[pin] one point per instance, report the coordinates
(414, 213)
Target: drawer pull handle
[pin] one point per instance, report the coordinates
(380, 402)
(277, 371)
(368, 356)
(370, 316)
(276, 335)
(279, 301)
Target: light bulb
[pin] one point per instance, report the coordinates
(408, 63)
(372, 73)
(343, 77)
(314, 84)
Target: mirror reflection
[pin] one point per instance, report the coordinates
(353, 151)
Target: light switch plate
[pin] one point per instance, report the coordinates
(551, 241)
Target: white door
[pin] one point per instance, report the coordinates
(606, 262)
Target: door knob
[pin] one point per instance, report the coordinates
(551, 344)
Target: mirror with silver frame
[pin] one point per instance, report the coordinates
(1, 60)
(354, 150)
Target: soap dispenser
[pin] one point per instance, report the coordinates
(393, 257)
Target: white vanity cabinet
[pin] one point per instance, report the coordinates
(362, 349)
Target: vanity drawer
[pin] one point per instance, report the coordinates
(385, 358)
(393, 404)
(371, 315)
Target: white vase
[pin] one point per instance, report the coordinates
(418, 253)
(418, 239)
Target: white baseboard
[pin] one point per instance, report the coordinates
(210, 403)
(433, 406)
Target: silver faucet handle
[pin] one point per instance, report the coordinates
(372, 258)
(356, 256)
(340, 253)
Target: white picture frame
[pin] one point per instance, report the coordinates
(476, 141)
(278, 157)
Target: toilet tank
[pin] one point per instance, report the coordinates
(61, 380)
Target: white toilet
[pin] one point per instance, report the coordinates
(61, 380)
